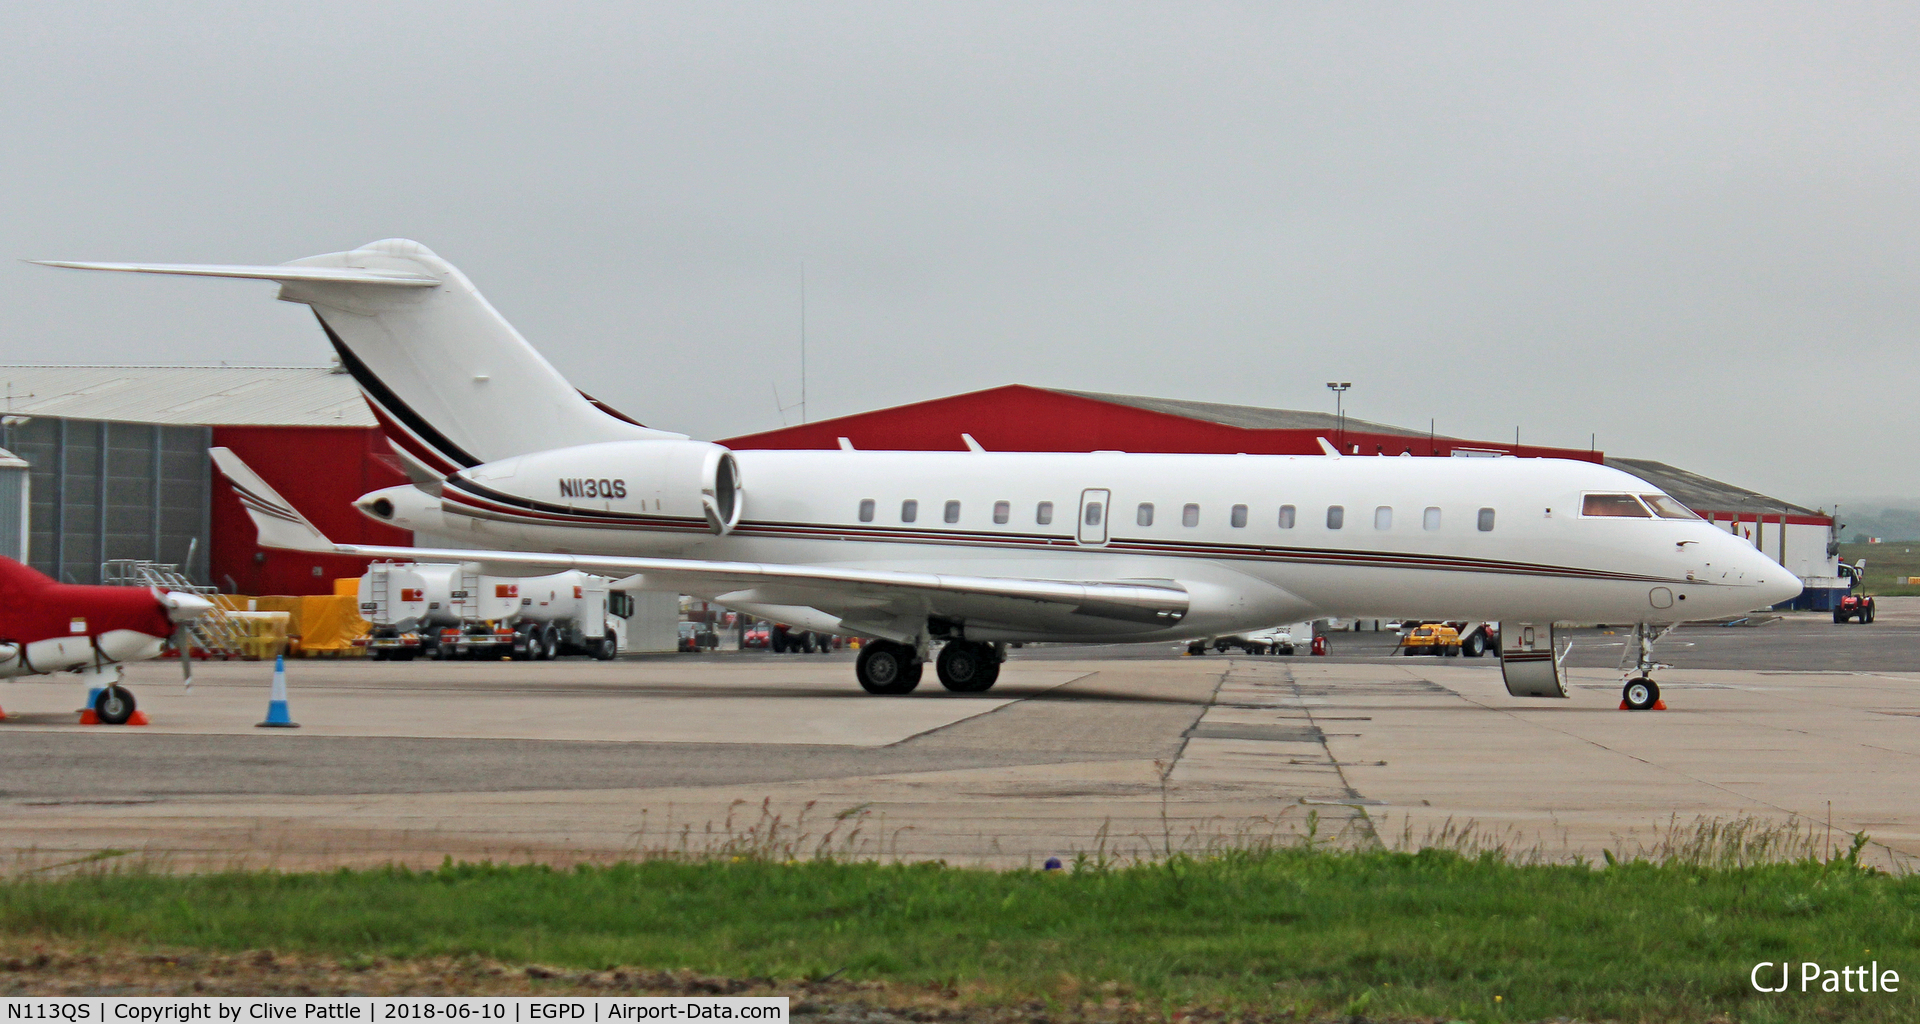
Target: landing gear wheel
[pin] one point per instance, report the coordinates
(967, 667)
(114, 705)
(887, 668)
(1641, 694)
(1197, 648)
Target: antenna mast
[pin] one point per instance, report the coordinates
(803, 341)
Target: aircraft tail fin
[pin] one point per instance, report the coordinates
(278, 523)
(451, 381)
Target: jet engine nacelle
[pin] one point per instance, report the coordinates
(606, 484)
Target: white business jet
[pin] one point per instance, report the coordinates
(517, 469)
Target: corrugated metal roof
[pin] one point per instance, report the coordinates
(218, 396)
(1705, 494)
(1249, 417)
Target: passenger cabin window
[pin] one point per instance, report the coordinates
(1286, 517)
(1093, 513)
(866, 510)
(1043, 513)
(1623, 506)
(1238, 516)
(1190, 515)
(1144, 515)
(909, 510)
(952, 512)
(1667, 508)
(1336, 516)
(1430, 519)
(1383, 517)
(1486, 520)
(1002, 511)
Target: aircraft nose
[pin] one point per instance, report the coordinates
(1770, 579)
(1781, 586)
(183, 607)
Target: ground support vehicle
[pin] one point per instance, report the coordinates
(1478, 638)
(562, 614)
(1282, 640)
(1435, 638)
(407, 606)
(447, 611)
(784, 639)
(1855, 604)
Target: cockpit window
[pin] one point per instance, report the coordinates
(1667, 508)
(1625, 505)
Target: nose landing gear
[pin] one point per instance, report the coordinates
(1641, 693)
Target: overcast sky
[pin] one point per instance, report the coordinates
(1692, 230)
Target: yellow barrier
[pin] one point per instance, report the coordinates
(262, 634)
(324, 624)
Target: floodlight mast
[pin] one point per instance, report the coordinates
(1339, 389)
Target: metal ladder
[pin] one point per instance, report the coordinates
(469, 606)
(379, 591)
(216, 633)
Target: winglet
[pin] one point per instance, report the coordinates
(279, 524)
(1327, 447)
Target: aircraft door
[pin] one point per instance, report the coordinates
(1093, 516)
(1530, 660)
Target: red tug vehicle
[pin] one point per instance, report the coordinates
(1855, 604)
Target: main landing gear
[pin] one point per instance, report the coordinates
(964, 666)
(887, 667)
(1641, 693)
(967, 666)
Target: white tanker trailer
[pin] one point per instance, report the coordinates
(446, 610)
(408, 603)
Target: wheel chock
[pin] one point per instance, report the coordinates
(1658, 705)
(90, 717)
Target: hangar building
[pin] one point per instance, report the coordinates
(118, 468)
(1017, 417)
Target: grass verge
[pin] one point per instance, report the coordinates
(1277, 933)
(1888, 566)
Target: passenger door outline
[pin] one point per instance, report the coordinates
(1094, 512)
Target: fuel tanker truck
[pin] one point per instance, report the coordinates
(448, 611)
(408, 604)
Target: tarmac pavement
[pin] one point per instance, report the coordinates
(1128, 754)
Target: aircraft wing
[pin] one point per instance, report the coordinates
(879, 601)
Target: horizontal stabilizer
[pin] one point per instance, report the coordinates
(328, 275)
